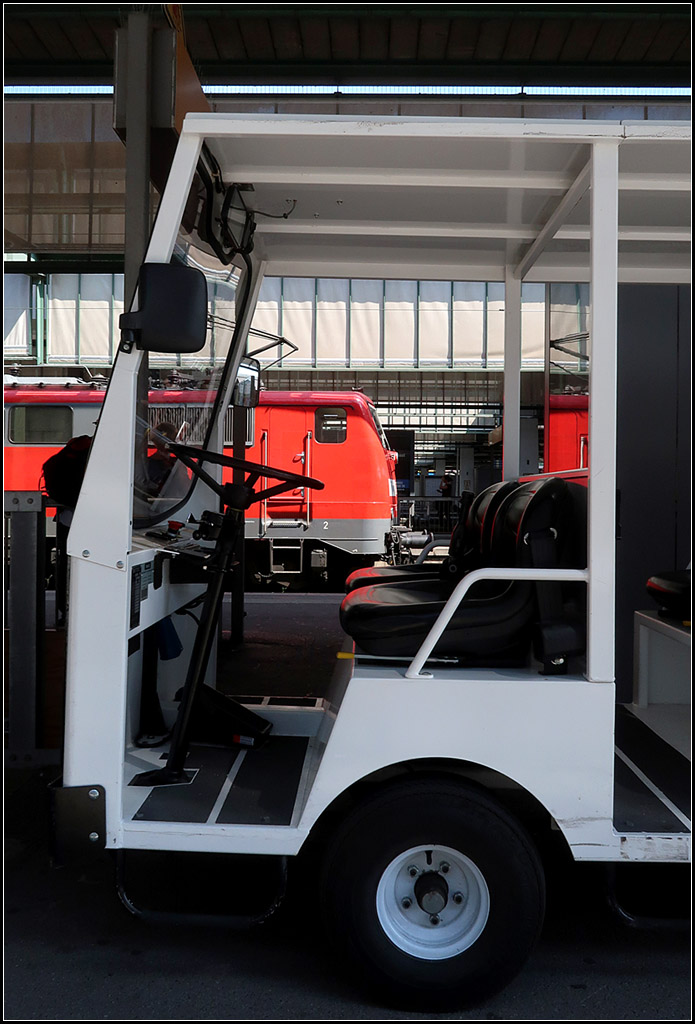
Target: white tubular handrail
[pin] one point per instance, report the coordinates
(263, 510)
(307, 472)
(461, 589)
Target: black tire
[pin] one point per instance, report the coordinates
(471, 856)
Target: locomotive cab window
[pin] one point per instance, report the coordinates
(40, 424)
(331, 425)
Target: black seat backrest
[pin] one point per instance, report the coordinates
(543, 525)
(552, 510)
(487, 512)
(470, 541)
(459, 541)
(465, 501)
(530, 509)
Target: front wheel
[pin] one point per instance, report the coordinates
(434, 892)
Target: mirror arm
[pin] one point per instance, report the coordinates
(128, 340)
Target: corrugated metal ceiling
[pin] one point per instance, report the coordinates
(561, 44)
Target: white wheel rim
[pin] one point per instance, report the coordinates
(447, 878)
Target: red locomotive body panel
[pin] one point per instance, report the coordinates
(24, 460)
(332, 436)
(567, 433)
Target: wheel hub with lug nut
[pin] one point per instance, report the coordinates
(426, 914)
(431, 892)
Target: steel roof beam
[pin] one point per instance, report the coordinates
(544, 181)
(627, 233)
(573, 195)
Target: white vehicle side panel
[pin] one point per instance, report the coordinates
(555, 739)
(551, 735)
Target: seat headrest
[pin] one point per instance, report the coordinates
(465, 501)
(470, 543)
(459, 540)
(537, 506)
(485, 512)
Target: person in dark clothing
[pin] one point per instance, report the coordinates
(445, 486)
(445, 489)
(161, 480)
(161, 463)
(62, 479)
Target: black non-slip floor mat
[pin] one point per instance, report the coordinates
(195, 801)
(664, 766)
(265, 787)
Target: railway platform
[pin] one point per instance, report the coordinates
(73, 952)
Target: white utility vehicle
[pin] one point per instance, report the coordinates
(467, 716)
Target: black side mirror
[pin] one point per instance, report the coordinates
(248, 384)
(173, 311)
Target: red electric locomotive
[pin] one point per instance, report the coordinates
(333, 436)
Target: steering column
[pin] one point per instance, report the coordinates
(236, 498)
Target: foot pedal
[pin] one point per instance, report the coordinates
(217, 718)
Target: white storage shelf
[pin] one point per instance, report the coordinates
(662, 678)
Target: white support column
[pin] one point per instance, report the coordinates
(511, 458)
(103, 526)
(602, 411)
(174, 199)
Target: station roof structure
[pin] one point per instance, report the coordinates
(370, 44)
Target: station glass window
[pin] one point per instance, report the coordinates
(331, 425)
(40, 424)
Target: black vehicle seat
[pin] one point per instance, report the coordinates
(494, 625)
(671, 589)
(469, 542)
(418, 570)
(479, 534)
(560, 628)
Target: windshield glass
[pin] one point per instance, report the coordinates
(379, 428)
(178, 392)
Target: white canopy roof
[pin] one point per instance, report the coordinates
(452, 198)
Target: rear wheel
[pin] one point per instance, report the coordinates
(434, 892)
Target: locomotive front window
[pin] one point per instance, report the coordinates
(40, 424)
(379, 429)
(331, 425)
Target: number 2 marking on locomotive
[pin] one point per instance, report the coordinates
(325, 525)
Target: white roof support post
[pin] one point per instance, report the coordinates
(102, 524)
(174, 199)
(511, 448)
(99, 542)
(602, 411)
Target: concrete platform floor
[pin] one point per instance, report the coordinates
(72, 952)
(289, 649)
